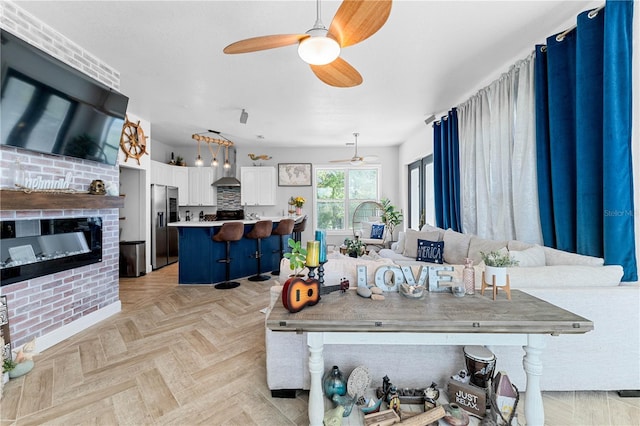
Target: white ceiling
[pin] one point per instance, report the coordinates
(429, 56)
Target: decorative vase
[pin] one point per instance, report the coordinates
(469, 276)
(333, 383)
(21, 369)
(500, 274)
(299, 211)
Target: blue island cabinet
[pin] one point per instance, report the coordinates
(198, 254)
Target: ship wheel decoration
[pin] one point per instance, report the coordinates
(132, 140)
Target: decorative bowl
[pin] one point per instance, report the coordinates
(458, 290)
(412, 291)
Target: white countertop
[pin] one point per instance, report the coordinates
(209, 224)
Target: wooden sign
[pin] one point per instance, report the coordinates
(426, 418)
(470, 398)
(383, 418)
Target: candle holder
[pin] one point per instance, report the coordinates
(311, 274)
(321, 273)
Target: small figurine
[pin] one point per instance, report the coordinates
(394, 400)
(432, 393)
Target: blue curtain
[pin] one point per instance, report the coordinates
(446, 170)
(583, 124)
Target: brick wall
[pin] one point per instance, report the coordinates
(44, 304)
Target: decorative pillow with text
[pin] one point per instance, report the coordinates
(430, 251)
(377, 231)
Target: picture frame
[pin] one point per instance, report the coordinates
(294, 174)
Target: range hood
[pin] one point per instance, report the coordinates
(226, 181)
(228, 178)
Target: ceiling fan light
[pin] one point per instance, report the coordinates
(318, 50)
(356, 161)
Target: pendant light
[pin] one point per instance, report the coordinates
(199, 161)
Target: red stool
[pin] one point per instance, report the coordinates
(262, 229)
(229, 231)
(285, 227)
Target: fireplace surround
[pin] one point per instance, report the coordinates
(32, 248)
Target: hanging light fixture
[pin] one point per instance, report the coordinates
(318, 49)
(226, 158)
(209, 140)
(199, 161)
(214, 157)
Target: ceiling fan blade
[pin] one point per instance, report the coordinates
(357, 20)
(263, 43)
(340, 161)
(338, 74)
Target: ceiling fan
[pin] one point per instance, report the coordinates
(355, 21)
(357, 160)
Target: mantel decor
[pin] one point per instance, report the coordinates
(48, 200)
(294, 174)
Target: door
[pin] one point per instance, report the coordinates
(158, 226)
(421, 197)
(172, 232)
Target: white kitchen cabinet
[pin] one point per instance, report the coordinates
(166, 174)
(258, 186)
(180, 178)
(201, 193)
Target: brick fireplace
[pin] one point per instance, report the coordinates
(58, 305)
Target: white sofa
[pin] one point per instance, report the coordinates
(604, 359)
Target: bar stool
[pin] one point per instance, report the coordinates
(229, 231)
(285, 227)
(298, 228)
(262, 229)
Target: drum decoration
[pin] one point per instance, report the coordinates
(481, 363)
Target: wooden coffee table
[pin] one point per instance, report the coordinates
(437, 319)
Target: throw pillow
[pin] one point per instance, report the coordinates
(533, 256)
(430, 251)
(456, 247)
(411, 241)
(399, 245)
(377, 231)
(477, 244)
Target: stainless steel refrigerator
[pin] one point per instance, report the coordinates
(164, 239)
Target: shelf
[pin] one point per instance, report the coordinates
(19, 200)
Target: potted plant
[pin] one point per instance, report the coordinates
(496, 264)
(8, 364)
(355, 247)
(180, 161)
(297, 257)
(391, 217)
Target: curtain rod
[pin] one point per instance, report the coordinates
(592, 14)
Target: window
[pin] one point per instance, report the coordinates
(339, 190)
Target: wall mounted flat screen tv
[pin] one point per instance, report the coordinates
(48, 106)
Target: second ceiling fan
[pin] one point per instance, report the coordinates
(355, 21)
(357, 160)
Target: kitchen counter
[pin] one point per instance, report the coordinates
(209, 224)
(199, 255)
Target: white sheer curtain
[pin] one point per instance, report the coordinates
(498, 158)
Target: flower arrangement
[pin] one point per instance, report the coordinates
(299, 201)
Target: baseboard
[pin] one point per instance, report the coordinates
(58, 335)
(629, 393)
(283, 393)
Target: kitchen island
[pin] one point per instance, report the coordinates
(198, 255)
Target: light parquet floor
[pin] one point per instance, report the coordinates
(191, 355)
